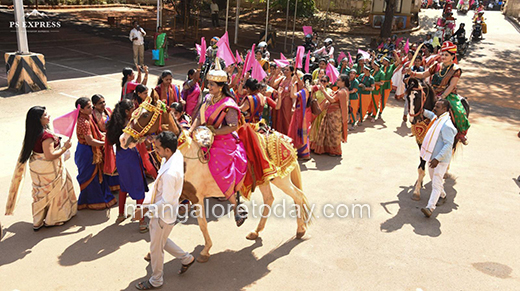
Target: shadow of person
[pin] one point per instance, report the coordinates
(107, 241)
(409, 210)
(228, 270)
(324, 162)
(517, 181)
(403, 130)
(20, 239)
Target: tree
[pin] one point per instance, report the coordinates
(386, 28)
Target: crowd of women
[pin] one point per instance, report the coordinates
(313, 111)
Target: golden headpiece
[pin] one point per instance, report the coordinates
(217, 74)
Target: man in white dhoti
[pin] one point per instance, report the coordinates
(437, 150)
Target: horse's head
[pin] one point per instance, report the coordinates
(419, 97)
(149, 118)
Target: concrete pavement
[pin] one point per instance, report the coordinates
(471, 242)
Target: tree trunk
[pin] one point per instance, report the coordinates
(386, 28)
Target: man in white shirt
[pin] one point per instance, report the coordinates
(161, 205)
(214, 13)
(137, 38)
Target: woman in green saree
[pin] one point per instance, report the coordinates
(161, 43)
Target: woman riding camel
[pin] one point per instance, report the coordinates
(227, 162)
(444, 83)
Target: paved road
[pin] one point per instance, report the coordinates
(470, 243)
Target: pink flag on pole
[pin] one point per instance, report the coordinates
(65, 124)
(282, 57)
(197, 46)
(307, 60)
(248, 63)
(298, 63)
(258, 72)
(238, 58)
(381, 45)
(224, 52)
(307, 30)
(364, 54)
(202, 58)
(399, 40)
(341, 56)
(407, 46)
(224, 39)
(350, 58)
(282, 63)
(332, 72)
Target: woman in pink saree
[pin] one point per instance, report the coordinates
(228, 161)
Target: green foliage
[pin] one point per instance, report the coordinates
(306, 8)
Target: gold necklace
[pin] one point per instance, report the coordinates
(216, 98)
(445, 72)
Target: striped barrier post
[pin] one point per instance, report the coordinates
(26, 73)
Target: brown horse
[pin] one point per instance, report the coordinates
(152, 117)
(422, 97)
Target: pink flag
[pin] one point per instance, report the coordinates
(407, 46)
(332, 72)
(282, 57)
(202, 58)
(282, 63)
(307, 60)
(381, 45)
(350, 58)
(399, 40)
(307, 30)
(224, 39)
(364, 54)
(238, 58)
(65, 124)
(298, 63)
(197, 46)
(248, 63)
(341, 56)
(258, 72)
(224, 52)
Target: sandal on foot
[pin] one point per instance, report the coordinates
(143, 226)
(145, 285)
(185, 268)
(148, 257)
(121, 217)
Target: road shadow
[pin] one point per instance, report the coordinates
(499, 76)
(322, 163)
(409, 210)
(20, 239)
(403, 130)
(228, 270)
(107, 241)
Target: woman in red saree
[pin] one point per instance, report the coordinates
(283, 112)
(253, 105)
(101, 114)
(168, 92)
(298, 128)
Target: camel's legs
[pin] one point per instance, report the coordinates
(267, 194)
(203, 224)
(288, 188)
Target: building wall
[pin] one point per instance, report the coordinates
(512, 8)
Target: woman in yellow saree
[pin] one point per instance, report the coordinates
(54, 201)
